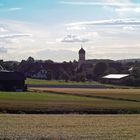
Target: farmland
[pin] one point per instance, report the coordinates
(66, 107)
(73, 127)
(128, 94)
(56, 101)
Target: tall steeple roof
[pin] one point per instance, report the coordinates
(82, 50)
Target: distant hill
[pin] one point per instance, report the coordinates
(129, 60)
(95, 61)
(123, 61)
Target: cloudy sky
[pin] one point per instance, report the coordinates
(55, 29)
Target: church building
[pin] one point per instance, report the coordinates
(83, 66)
(82, 58)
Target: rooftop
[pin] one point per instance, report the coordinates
(81, 50)
(116, 76)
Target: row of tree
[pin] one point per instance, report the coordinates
(98, 70)
(102, 68)
(9, 65)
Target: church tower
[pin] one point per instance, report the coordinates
(81, 57)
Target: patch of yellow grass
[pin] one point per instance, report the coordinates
(76, 127)
(128, 94)
(88, 90)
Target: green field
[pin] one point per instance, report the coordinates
(69, 127)
(71, 101)
(30, 81)
(56, 82)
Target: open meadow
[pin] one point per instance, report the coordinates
(73, 127)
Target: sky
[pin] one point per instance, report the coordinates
(56, 29)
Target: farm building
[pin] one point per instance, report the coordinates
(115, 78)
(12, 81)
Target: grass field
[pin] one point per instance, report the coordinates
(71, 101)
(70, 127)
(57, 82)
(30, 81)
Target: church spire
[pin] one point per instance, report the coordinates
(81, 50)
(81, 57)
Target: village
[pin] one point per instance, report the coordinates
(103, 71)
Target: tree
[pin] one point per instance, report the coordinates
(1, 64)
(80, 77)
(110, 70)
(64, 75)
(49, 61)
(30, 59)
(99, 69)
(116, 65)
(49, 75)
(136, 72)
(134, 80)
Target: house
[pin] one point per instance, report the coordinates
(44, 70)
(41, 74)
(115, 78)
(12, 81)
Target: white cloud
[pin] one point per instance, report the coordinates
(101, 3)
(3, 50)
(7, 36)
(18, 43)
(122, 7)
(2, 29)
(91, 35)
(125, 9)
(14, 9)
(73, 39)
(128, 28)
(66, 55)
(76, 28)
(107, 22)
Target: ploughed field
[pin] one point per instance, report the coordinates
(73, 127)
(60, 100)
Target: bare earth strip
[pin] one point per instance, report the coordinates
(73, 127)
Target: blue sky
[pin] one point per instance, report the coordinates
(55, 29)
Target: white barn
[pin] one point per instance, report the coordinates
(115, 78)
